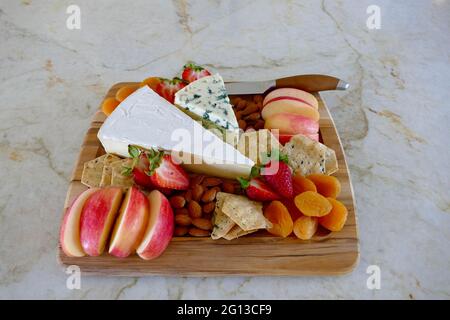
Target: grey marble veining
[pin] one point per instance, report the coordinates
(394, 124)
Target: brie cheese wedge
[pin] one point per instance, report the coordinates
(147, 120)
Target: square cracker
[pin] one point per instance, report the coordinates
(118, 179)
(222, 223)
(246, 213)
(307, 156)
(237, 232)
(92, 172)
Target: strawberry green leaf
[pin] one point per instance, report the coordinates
(255, 171)
(244, 182)
(284, 158)
(134, 151)
(126, 171)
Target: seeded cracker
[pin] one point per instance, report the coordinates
(222, 223)
(107, 170)
(237, 232)
(245, 213)
(307, 156)
(118, 179)
(92, 172)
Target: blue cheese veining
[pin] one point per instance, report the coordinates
(208, 99)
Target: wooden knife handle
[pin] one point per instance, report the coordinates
(312, 83)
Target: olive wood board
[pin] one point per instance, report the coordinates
(259, 254)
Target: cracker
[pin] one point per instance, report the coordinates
(92, 172)
(307, 156)
(237, 232)
(107, 170)
(246, 213)
(118, 179)
(222, 223)
(255, 143)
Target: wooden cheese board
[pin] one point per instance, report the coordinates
(260, 254)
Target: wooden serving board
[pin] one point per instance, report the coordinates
(254, 255)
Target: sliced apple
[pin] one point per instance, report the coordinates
(159, 228)
(69, 236)
(288, 123)
(289, 106)
(291, 94)
(97, 218)
(130, 225)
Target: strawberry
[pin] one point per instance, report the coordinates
(167, 88)
(281, 180)
(192, 72)
(257, 189)
(156, 170)
(166, 174)
(139, 171)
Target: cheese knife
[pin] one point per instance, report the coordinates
(307, 82)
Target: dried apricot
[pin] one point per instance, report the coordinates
(281, 220)
(305, 227)
(312, 204)
(152, 82)
(109, 104)
(302, 184)
(125, 91)
(328, 186)
(335, 220)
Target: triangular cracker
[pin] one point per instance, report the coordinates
(237, 232)
(245, 213)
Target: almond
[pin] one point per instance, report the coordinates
(211, 182)
(228, 187)
(241, 105)
(250, 108)
(209, 195)
(201, 223)
(195, 232)
(182, 211)
(209, 207)
(177, 202)
(183, 220)
(195, 211)
(188, 195)
(196, 180)
(242, 124)
(180, 231)
(259, 124)
(253, 116)
(197, 192)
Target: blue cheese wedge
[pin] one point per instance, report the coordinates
(208, 99)
(147, 120)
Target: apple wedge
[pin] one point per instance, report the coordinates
(130, 225)
(289, 123)
(159, 228)
(69, 236)
(97, 218)
(291, 94)
(289, 106)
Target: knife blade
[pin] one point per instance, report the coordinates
(307, 82)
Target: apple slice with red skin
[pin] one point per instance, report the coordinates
(97, 218)
(160, 227)
(289, 123)
(130, 225)
(69, 236)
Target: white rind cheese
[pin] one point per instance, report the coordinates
(147, 120)
(207, 98)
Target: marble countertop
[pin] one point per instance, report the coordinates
(394, 124)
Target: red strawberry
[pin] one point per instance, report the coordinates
(164, 173)
(167, 88)
(281, 179)
(192, 72)
(257, 189)
(140, 169)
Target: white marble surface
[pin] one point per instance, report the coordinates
(394, 124)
